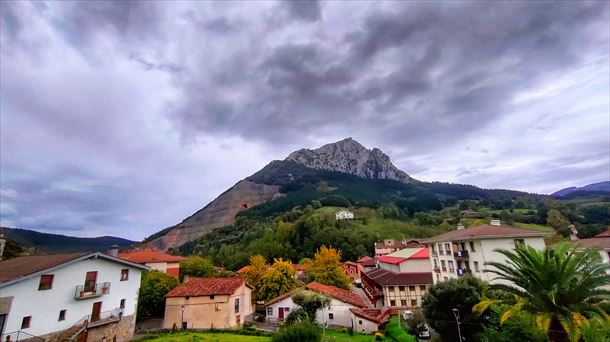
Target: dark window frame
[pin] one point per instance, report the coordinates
(26, 322)
(44, 285)
(62, 315)
(125, 274)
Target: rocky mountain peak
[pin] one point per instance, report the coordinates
(349, 156)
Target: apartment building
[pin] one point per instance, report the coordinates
(465, 251)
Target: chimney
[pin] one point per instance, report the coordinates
(114, 251)
(495, 222)
(460, 226)
(2, 243)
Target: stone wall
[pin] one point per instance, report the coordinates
(119, 331)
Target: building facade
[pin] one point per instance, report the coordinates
(337, 314)
(389, 246)
(93, 295)
(465, 251)
(155, 259)
(205, 303)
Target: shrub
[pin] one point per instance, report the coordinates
(397, 333)
(304, 331)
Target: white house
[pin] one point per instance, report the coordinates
(344, 214)
(465, 251)
(368, 321)
(337, 314)
(93, 295)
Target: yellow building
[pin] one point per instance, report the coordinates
(204, 303)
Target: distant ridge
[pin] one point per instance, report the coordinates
(55, 243)
(594, 187)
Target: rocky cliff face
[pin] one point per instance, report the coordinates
(218, 213)
(349, 156)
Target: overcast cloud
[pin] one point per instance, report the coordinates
(122, 118)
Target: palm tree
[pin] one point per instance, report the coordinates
(561, 286)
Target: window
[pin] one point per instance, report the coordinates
(124, 274)
(62, 315)
(392, 303)
(211, 297)
(451, 269)
(476, 266)
(438, 277)
(440, 250)
(122, 305)
(286, 309)
(413, 302)
(519, 242)
(391, 289)
(360, 322)
(330, 315)
(445, 278)
(435, 263)
(270, 311)
(25, 322)
(422, 287)
(433, 249)
(448, 247)
(185, 325)
(411, 288)
(401, 288)
(403, 302)
(46, 282)
(472, 246)
(236, 305)
(443, 266)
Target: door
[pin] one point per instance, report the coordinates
(238, 320)
(95, 313)
(280, 314)
(90, 280)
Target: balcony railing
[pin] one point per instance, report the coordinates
(461, 254)
(437, 269)
(84, 292)
(463, 271)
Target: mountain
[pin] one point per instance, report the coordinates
(343, 173)
(54, 243)
(593, 189)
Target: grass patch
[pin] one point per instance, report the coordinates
(204, 337)
(333, 335)
(395, 332)
(533, 227)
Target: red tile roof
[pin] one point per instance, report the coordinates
(372, 262)
(244, 269)
(604, 234)
(149, 255)
(391, 259)
(337, 293)
(197, 287)
(283, 296)
(364, 258)
(486, 232)
(601, 242)
(22, 266)
(384, 277)
(374, 315)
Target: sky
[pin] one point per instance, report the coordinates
(123, 118)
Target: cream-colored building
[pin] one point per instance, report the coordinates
(465, 251)
(205, 303)
(155, 259)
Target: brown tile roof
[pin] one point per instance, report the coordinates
(604, 234)
(337, 293)
(372, 262)
(374, 315)
(364, 258)
(149, 255)
(22, 266)
(283, 296)
(485, 232)
(197, 287)
(601, 242)
(384, 277)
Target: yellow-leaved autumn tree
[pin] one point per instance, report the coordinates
(327, 268)
(277, 281)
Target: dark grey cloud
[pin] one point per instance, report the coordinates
(123, 118)
(304, 10)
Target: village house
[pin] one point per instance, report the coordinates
(205, 303)
(390, 246)
(600, 241)
(155, 259)
(338, 314)
(350, 268)
(368, 321)
(465, 251)
(400, 280)
(344, 214)
(91, 296)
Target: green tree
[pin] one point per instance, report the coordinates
(197, 267)
(555, 219)
(279, 280)
(256, 272)
(327, 268)
(462, 294)
(561, 287)
(151, 297)
(309, 303)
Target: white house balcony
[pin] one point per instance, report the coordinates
(97, 290)
(463, 271)
(463, 254)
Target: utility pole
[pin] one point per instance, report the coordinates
(456, 314)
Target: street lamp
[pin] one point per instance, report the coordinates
(182, 316)
(456, 314)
